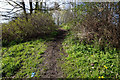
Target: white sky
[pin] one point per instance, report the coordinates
(4, 5)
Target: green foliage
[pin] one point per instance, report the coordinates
(20, 29)
(54, 33)
(66, 26)
(22, 59)
(89, 61)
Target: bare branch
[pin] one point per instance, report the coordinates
(10, 3)
(17, 4)
(14, 12)
(5, 8)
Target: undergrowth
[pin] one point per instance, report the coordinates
(89, 60)
(22, 59)
(66, 26)
(38, 25)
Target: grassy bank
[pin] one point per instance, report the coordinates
(89, 60)
(22, 59)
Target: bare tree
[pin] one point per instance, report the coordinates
(56, 7)
(36, 6)
(41, 3)
(31, 9)
(24, 9)
(17, 7)
(119, 12)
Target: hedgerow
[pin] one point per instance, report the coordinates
(38, 24)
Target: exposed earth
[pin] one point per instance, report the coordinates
(52, 56)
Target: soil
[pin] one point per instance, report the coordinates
(52, 55)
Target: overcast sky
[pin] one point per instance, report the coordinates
(4, 5)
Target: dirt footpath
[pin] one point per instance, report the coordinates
(52, 54)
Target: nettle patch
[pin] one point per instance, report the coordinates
(22, 59)
(89, 61)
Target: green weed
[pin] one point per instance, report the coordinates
(22, 59)
(89, 61)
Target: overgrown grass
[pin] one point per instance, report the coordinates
(22, 59)
(89, 60)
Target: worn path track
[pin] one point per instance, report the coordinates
(52, 54)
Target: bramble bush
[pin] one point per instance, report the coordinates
(95, 29)
(92, 24)
(20, 29)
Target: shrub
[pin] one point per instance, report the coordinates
(95, 29)
(37, 24)
(94, 24)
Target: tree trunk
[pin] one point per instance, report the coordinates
(119, 12)
(119, 24)
(106, 12)
(58, 21)
(45, 8)
(41, 6)
(36, 6)
(23, 4)
(30, 2)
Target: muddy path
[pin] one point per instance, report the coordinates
(52, 54)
